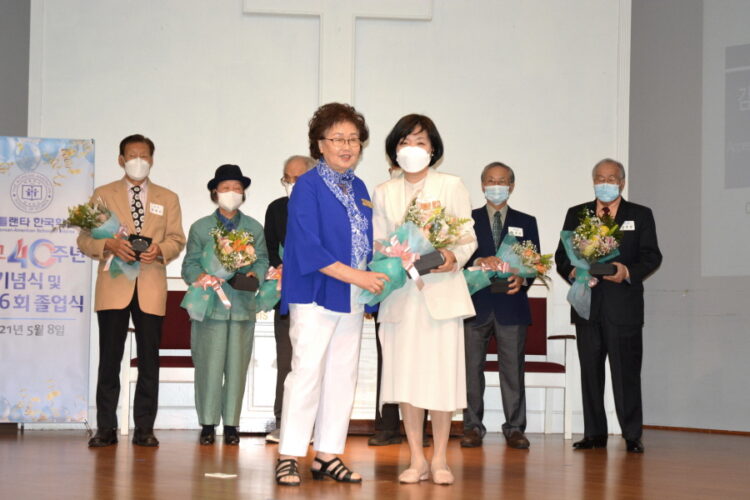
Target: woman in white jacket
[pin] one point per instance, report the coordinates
(422, 330)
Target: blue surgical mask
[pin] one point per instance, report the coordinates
(606, 192)
(497, 194)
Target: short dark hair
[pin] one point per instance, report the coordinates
(406, 126)
(136, 138)
(215, 196)
(329, 115)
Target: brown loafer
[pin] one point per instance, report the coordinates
(384, 438)
(103, 437)
(144, 437)
(517, 440)
(472, 438)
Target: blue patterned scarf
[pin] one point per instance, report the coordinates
(341, 185)
(228, 223)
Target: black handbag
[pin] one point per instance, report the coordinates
(243, 282)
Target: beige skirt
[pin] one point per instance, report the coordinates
(423, 358)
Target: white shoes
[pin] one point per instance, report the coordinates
(273, 436)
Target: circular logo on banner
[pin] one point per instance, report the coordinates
(31, 192)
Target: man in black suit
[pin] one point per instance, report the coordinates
(615, 325)
(275, 232)
(504, 315)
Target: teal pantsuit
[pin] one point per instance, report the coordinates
(222, 343)
(221, 354)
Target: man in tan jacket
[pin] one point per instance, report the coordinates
(152, 212)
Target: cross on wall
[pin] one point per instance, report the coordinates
(338, 21)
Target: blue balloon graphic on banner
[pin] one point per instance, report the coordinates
(50, 148)
(7, 149)
(29, 156)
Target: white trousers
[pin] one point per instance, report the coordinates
(319, 391)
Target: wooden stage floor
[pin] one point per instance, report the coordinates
(58, 465)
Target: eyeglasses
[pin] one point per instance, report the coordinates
(339, 142)
(497, 182)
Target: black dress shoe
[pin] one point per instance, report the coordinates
(103, 437)
(472, 438)
(517, 440)
(384, 438)
(231, 436)
(591, 442)
(635, 446)
(143, 437)
(208, 436)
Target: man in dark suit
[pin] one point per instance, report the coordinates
(615, 325)
(275, 232)
(504, 315)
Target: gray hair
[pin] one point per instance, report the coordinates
(309, 162)
(611, 162)
(499, 164)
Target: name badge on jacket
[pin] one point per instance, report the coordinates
(628, 225)
(156, 209)
(515, 231)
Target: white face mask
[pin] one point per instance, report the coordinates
(137, 169)
(288, 188)
(229, 200)
(413, 159)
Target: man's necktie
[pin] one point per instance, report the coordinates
(605, 211)
(497, 228)
(137, 209)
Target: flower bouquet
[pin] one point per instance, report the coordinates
(222, 256)
(534, 261)
(518, 259)
(86, 216)
(440, 229)
(593, 242)
(397, 257)
(101, 223)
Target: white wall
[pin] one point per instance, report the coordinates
(538, 85)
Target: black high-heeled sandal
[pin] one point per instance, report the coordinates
(333, 469)
(287, 468)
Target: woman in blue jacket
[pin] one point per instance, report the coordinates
(328, 243)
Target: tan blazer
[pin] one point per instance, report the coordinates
(446, 294)
(166, 231)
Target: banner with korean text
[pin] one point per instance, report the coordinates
(45, 281)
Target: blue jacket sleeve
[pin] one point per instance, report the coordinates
(304, 227)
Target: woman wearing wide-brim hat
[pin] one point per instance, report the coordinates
(222, 341)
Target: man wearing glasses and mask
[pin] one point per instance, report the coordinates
(502, 311)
